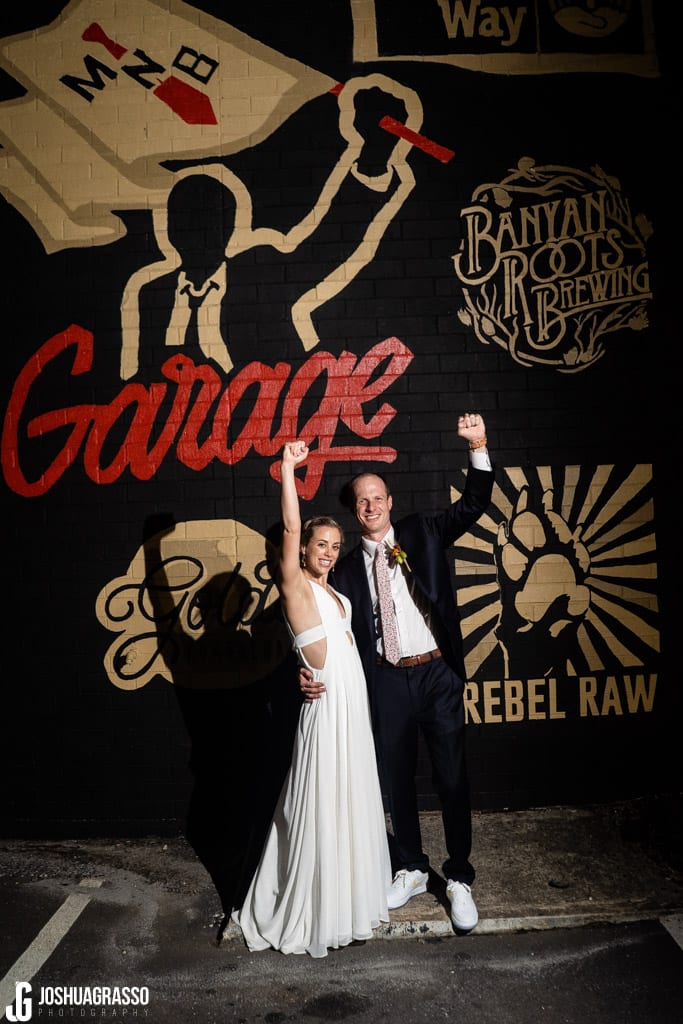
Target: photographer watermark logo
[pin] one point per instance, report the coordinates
(67, 1001)
(21, 1009)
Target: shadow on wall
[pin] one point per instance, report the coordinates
(241, 735)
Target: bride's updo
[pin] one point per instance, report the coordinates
(310, 525)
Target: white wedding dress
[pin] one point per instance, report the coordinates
(324, 872)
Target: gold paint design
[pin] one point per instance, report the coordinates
(197, 606)
(552, 262)
(468, 23)
(560, 577)
(68, 163)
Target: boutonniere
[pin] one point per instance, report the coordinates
(397, 556)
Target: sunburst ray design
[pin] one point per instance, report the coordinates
(606, 514)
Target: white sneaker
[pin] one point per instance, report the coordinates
(464, 913)
(405, 885)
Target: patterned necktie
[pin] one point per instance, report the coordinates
(387, 615)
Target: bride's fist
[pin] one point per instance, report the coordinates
(294, 452)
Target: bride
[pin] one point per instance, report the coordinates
(324, 872)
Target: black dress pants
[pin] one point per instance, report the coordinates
(429, 698)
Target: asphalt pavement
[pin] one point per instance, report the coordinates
(555, 867)
(581, 919)
(559, 867)
(542, 868)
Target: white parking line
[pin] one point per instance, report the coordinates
(674, 926)
(44, 944)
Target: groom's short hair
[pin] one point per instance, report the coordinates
(347, 495)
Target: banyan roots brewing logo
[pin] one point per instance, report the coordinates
(552, 261)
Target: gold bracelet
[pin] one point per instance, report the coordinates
(481, 443)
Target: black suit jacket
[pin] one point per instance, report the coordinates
(424, 538)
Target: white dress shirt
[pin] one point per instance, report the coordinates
(412, 611)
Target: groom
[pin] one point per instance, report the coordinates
(419, 683)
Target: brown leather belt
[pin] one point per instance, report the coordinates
(414, 659)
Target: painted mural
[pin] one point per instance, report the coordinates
(227, 226)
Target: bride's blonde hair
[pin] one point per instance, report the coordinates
(310, 525)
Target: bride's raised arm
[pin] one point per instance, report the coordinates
(291, 577)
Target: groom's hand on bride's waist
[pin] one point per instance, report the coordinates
(308, 686)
